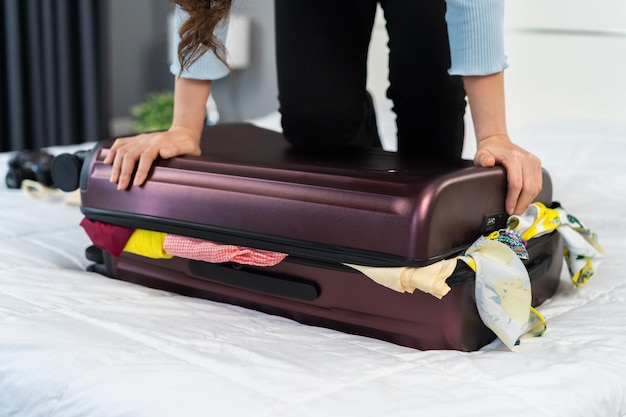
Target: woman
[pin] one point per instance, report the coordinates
(439, 52)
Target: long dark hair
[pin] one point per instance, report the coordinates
(196, 33)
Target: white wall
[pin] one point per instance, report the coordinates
(566, 14)
(567, 60)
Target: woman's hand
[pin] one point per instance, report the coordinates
(523, 170)
(183, 138)
(142, 150)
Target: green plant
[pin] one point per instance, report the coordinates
(155, 113)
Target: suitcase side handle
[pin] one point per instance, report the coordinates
(256, 281)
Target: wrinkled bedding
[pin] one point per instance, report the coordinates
(75, 343)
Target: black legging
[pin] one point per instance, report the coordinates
(321, 50)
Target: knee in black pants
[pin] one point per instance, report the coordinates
(331, 128)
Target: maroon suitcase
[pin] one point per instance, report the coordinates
(367, 207)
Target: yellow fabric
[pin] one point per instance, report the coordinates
(535, 221)
(430, 279)
(538, 324)
(469, 261)
(147, 243)
(515, 298)
(583, 253)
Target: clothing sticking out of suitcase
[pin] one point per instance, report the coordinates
(364, 207)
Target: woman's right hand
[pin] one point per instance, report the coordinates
(142, 150)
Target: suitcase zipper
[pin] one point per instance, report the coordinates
(304, 253)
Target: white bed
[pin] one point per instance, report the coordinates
(74, 343)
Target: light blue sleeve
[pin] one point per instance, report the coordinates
(208, 66)
(476, 36)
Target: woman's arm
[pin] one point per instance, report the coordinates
(475, 29)
(191, 91)
(494, 147)
(182, 138)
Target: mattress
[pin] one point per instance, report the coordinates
(75, 343)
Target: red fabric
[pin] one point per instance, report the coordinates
(204, 250)
(106, 236)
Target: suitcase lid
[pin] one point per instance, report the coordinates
(251, 188)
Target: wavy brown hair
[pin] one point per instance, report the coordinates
(196, 33)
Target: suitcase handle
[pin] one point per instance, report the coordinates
(234, 275)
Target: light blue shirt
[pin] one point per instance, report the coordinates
(474, 29)
(476, 36)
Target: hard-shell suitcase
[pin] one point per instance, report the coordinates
(365, 207)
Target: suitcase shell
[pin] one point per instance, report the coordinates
(367, 207)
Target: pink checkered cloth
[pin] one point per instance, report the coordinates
(207, 251)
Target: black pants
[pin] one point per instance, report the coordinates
(321, 50)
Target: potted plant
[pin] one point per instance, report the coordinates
(155, 113)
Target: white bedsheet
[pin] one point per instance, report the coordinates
(73, 343)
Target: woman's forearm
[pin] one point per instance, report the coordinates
(487, 103)
(190, 97)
